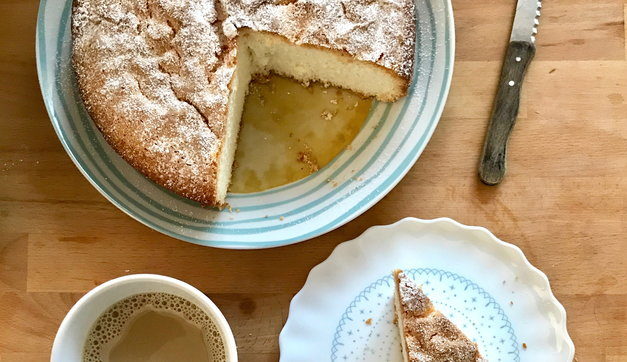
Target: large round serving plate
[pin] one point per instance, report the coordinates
(389, 143)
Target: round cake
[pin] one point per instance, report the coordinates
(165, 80)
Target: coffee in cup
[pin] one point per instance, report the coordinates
(144, 317)
(154, 327)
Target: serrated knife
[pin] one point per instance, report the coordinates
(519, 53)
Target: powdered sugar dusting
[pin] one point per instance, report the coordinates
(412, 298)
(429, 335)
(380, 31)
(155, 74)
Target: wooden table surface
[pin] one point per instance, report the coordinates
(563, 201)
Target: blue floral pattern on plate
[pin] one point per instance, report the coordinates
(469, 306)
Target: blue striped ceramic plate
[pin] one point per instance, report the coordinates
(389, 143)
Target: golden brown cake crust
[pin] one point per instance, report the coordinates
(155, 75)
(429, 335)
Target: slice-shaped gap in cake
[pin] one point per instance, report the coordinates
(290, 130)
(425, 333)
(260, 53)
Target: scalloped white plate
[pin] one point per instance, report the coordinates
(486, 286)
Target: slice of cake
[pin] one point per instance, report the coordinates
(165, 80)
(426, 334)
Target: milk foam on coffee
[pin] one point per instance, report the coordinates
(154, 327)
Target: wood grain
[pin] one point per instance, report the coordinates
(563, 201)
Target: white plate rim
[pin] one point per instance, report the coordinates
(332, 260)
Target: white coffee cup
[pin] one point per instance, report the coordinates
(70, 339)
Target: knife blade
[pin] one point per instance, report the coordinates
(520, 52)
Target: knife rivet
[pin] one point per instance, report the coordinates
(518, 59)
(511, 83)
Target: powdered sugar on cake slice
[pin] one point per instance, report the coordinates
(426, 334)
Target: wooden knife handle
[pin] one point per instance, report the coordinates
(505, 111)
